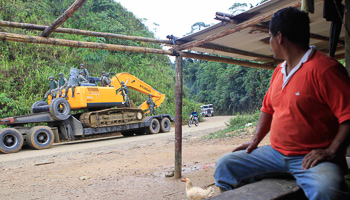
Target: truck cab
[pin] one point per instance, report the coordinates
(207, 110)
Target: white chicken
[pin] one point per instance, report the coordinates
(197, 193)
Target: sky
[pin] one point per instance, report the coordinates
(176, 17)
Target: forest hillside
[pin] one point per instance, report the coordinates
(25, 68)
(231, 88)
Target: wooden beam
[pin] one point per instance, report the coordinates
(82, 32)
(312, 35)
(236, 51)
(227, 60)
(340, 56)
(112, 47)
(236, 28)
(64, 17)
(178, 117)
(79, 44)
(326, 49)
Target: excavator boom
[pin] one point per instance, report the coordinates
(132, 82)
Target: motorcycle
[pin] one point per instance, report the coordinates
(193, 120)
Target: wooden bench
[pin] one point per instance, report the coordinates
(285, 189)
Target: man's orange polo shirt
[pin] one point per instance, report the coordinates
(308, 110)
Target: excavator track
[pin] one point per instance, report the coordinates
(112, 117)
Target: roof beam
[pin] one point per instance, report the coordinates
(227, 60)
(64, 17)
(312, 35)
(236, 51)
(82, 32)
(236, 28)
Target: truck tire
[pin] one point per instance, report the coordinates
(60, 109)
(37, 104)
(11, 140)
(165, 125)
(40, 137)
(154, 127)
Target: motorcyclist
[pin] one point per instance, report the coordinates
(194, 115)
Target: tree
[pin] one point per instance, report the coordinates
(198, 26)
(238, 8)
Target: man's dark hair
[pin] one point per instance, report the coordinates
(293, 24)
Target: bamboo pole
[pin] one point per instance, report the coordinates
(227, 60)
(64, 17)
(79, 44)
(236, 28)
(178, 117)
(126, 37)
(82, 32)
(112, 47)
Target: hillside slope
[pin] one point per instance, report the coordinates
(25, 68)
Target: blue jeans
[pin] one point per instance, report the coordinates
(324, 181)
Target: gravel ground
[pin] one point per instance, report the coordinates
(130, 170)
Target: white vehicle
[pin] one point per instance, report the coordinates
(207, 110)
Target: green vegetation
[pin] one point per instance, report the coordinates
(25, 68)
(235, 126)
(231, 88)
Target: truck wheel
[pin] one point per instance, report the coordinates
(189, 123)
(37, 104)
(154, 127)
(11, 140)
(60, 109)
(40, 137)
(165, 125)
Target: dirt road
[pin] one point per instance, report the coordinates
(209, 123)
(120, 168)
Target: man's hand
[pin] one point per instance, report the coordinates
(262, 128)
(249, 146)
(317, 156)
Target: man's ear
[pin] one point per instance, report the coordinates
(279, 37)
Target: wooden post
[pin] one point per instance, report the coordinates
(61, 19)
(347, 35)
(178, 117)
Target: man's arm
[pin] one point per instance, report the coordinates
(86, 73)
(338, 146)
(65, 82)
(262, 128)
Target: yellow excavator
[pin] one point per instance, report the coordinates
(105, 105)
(91, 96)
(99, 111)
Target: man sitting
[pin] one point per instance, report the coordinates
(307, 110)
